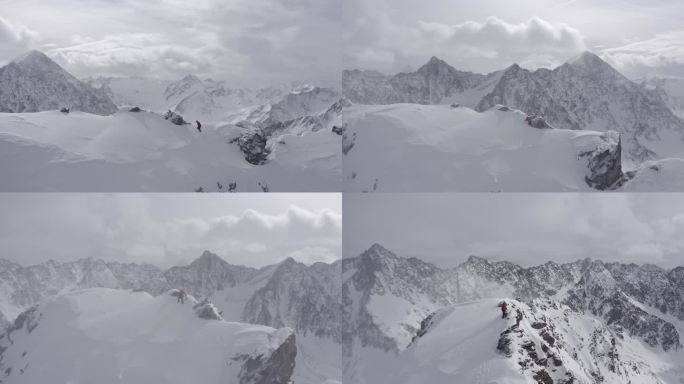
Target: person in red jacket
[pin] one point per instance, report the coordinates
(199, 126)
(504, 309)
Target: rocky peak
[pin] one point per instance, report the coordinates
(35, 58)
(435, 65)
(209, 260)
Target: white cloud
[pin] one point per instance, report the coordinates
(661, 55)
(169, 229)
(247, 42)
(529, 229)
(376, 40)
(14, 39)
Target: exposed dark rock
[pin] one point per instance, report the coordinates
(536, 121)
(275, 369)
(543, 377)
(175, 118)
(339, 129)
(252, 143)
(605, 163)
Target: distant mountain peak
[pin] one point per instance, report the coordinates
(190, 78)
(591, 62)
(33, 82)
(207, 259)
(476, 259)
(32, 56)
(433, 64)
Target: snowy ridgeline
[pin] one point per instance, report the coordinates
(395, 142)
(63, 134)
(425, 148)
(102, 335)
(235, 301)
(585, 322)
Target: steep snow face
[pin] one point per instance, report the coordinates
(121, 336)
(421, 148)
(129, 151)
(634, 312)
(33, 82)
(585, 93)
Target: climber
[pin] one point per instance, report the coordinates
(504, 309)
(181, 296)
(199, 126)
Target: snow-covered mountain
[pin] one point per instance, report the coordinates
(584, 93)
(33, 82)
(271, 139)
(141, 151)
(671, 90)
(306, 299)
(216, 102)
(434, 148)
(595, 322)
(112, 336)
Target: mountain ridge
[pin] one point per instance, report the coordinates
(583, 93)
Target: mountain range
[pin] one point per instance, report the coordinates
(133, 134)
(584, 93)
(633, 314)
(289, 294)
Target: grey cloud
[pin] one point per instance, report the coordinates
(525, 228)
(170, 229)
(249, 43)
(14, 39)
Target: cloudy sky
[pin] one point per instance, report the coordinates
(528, 229)
(247, 42)
(639, 37)
(170, 229)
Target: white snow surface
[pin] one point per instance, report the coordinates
(460, 347)
(126, 151)
(430, 148)
(103, 335)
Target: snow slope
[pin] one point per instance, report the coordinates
(112, 336)
(430, 148)
(51, 151)
(287, 294)
(471, 343)
(411, 322)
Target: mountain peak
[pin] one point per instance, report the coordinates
(190, 78)
(33, 56)
(433, 64)
(377, 248)
(208, 259)
(589, 60)
(476, 259)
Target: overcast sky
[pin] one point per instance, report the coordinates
(170, 229)
(248, 42)
(639, 37)
(528, 229)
